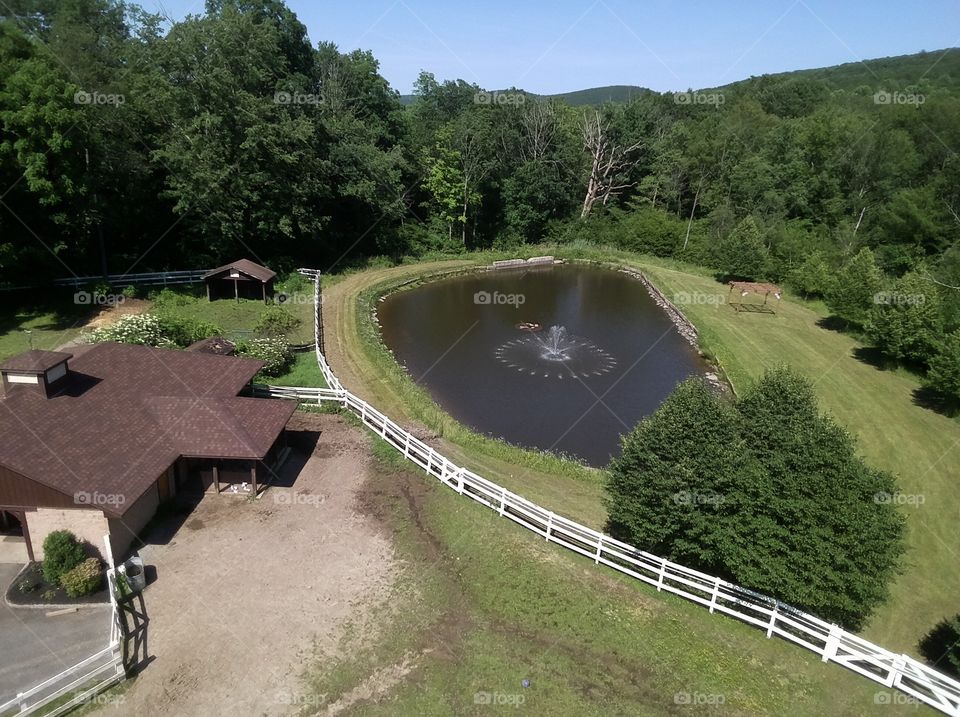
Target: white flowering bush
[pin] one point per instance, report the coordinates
(143, 329)
(275, 354)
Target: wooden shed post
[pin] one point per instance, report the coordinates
(263, 285)
(253, 476)
(216, 477)
(236, 290)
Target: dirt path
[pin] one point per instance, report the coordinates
(248, 591)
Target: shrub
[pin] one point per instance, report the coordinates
(82, 579)
(765, 492)
(130, 292)
(61, 552)
(142, 329)
(274, 353)
(185, 330)
(276, 321)
(941, 646)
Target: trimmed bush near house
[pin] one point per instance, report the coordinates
(61, 553)
(83, 579)
(275, 354)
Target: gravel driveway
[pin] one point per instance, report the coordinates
(247, 591)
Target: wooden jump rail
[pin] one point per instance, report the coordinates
(831, 642)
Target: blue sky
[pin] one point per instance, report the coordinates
(565, 45)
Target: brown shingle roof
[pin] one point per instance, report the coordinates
(35, 361)
(244, 266)
(128, 412)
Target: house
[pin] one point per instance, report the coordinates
(241, 279)
(95, 441)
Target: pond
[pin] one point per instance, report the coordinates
(563, 358)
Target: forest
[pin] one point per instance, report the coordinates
(132, 143)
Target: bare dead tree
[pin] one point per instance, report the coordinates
(610, 163)
(539, 125)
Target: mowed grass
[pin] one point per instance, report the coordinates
(237, 318)
(304, 371)
(41, 327)
(921, 447)
(483, 605)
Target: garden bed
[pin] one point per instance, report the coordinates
(46, 594)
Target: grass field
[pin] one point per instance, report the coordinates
(303, 372)
(40, 328)
(878, 406)
(483, 605)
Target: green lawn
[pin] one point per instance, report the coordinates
(40, 328)
(237, 318)
(483, 605)
(303, 372)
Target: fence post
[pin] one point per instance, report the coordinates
(663, 574)
(832, 643)
(406, 447)
(549, 524)
(773, 621)
(596, 558)
(716, 591)
(503, 500)
(460, 480)
(429, 460)
(896, 670)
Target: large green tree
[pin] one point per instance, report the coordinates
(765, 491)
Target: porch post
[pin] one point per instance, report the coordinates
(216, 477)
(253, 476)
(236, 290)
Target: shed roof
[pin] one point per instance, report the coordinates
(246, 267)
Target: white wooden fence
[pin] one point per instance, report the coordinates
(82, 682)
(831, 642)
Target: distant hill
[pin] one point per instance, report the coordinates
(599, 95)
(939, 68)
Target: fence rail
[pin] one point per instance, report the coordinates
(156, 278)
(831, 642)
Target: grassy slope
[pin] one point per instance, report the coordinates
(483, 605)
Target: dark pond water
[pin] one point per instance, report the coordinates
(573, 390)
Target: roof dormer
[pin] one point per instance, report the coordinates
(42, 371)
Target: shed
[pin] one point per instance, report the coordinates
(242, 279)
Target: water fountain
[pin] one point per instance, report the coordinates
(556, 354)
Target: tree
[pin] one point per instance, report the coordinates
(610, 161)
(851, 295)
(906, 322)
(941, 646)
(743, 254)
(943, 377)
(765, 492)
(813, 277)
